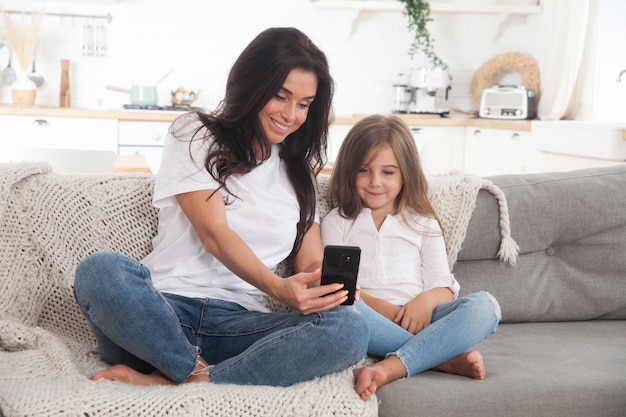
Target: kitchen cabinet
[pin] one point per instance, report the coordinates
(441, 149)
(336, 134)
(53, 132)
(490, 151)
(144, 138)
(481, 147)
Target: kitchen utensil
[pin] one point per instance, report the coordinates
(167, 74)
(64, 91)
(88, 39)
(35, 77)
(8, 75)
(182, 97)
(401, 98)
(140, 95)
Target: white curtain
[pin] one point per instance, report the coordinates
(567, 47)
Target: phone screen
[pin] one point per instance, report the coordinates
(341, 264)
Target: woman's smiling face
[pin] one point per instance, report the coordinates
(288, 109)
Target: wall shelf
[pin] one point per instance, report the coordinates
(450, 7)
(501, 11)
(106, 17)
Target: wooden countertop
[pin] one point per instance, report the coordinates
(454, 120)
(119, 114)
(169, 116)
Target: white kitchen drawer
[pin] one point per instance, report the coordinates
(441, 149)
(58, 132)
(491, 151)
(142, 133)
(151, 154)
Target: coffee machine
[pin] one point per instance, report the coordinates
(424, 83)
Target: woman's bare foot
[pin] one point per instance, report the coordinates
(469, 364)
(127, 375)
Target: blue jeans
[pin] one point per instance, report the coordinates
(140, 327)
(455, 327)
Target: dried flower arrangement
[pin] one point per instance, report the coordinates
(22, 36)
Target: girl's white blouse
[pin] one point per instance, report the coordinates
(397, 262)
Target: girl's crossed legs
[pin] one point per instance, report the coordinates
(455, 327)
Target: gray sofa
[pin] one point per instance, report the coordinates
(561, 347)
(560, 351)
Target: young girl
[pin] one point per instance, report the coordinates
(408, 294)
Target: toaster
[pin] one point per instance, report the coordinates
(508, 102)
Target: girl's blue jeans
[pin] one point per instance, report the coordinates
(140, 327)
(455, 327)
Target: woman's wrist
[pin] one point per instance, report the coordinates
(274, 285)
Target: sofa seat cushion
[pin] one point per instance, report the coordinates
(550, 369)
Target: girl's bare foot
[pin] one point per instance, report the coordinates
(368, 379)
(469, 364)
(127, 375)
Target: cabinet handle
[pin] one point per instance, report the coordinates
(40, 122)
(477, 132)
(417, 130)
(515, 136)
(157, 137)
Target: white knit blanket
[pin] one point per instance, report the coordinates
(48, 223)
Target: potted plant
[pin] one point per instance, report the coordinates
(418, 14)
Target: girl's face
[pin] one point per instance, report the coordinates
(288, 109)
(379, 180)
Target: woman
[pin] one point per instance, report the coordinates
(236, 193)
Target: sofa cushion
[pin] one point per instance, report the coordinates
(533, 369)
(571, 231)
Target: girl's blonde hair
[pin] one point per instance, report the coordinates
(373, 133)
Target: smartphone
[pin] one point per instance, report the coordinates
(341, 264)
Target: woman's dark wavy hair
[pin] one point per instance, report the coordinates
(256, 76)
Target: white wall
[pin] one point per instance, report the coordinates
(202, 38)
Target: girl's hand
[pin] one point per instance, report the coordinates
(418, 313)
(414, 316)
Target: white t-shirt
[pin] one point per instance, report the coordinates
(397, 263)
(264, 215)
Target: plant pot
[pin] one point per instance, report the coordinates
(23, 90)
